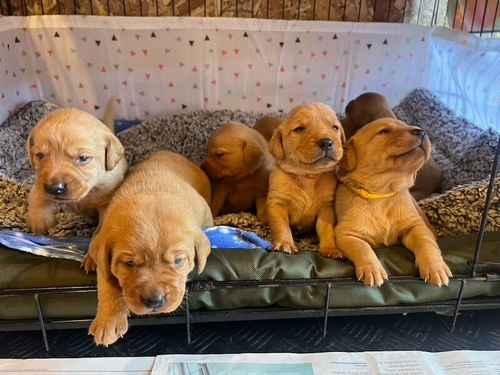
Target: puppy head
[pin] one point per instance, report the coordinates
(71, 151)
(364, 109)
(386, 151)
(267, 125)
(149, 254)
(234, 151)
(309, 140)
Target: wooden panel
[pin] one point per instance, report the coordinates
(50, 7)
(396, 11)
(322, 10)
(337, 10)
(117, 7)
(100, 7)
(83, 7)
(132, 8)
(67, 6)
(148, 8)
(352, 10)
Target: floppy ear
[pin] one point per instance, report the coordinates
(114, 152)
(276, 145)
(29, 146)
(202, 250)
(251, 153)
(342, 135)
(100, 251)
(349, 161)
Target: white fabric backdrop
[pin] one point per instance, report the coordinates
(153, 65)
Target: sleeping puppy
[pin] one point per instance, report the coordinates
(372, 106)
(238, 164)
(374, 206)
(79, 163)
(307, 147)
(150, 239)
(267, 125)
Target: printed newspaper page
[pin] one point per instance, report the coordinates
(369, 363)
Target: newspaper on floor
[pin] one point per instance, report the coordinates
(78, 366)
(369, 363)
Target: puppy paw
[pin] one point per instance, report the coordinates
(435, 273)
(331, 252)
(284, 246)
(39, 227)
(89, 264)
(107, 330)
(372, 274)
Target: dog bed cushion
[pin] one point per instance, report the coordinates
(22, 270)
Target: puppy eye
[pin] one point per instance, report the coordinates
(336, 127)
(179, 262)
(130, 263)
(219, 155)
(40, 155)
(299, 129)
(83, 159)
(384, 131)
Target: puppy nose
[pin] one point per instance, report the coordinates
(325, 144)
(57, 189)
(419, 132)
(154, 301)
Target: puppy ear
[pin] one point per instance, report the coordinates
(114, 152)
(276, 145)
(29, 146)
(202, 250)
(251, 153)
(349, 161)
(342, 135)
(100, 252)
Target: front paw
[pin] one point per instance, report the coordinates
(285, 246)
(331, 251)
(371, 274)
(107, 329)
(435, 272)
(40, 226)
(89, 264)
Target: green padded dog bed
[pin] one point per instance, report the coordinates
(20, 270)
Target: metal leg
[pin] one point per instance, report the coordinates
(42, 322)
(327, 308)
(487, 204)
(188, 317)
(457, 305)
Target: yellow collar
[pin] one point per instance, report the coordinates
(371, 196)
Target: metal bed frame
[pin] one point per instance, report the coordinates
(188, 317)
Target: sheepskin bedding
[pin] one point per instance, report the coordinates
(463, 150)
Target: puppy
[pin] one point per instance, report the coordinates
(149, 241)
(307, 147)
(78, 162)
(238, 164)
(266, 126)
(374, 206)
(372, 106)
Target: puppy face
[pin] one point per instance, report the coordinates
(387, 146)
(234, 151)
(310, 138)
(71, 151)
(150, 254)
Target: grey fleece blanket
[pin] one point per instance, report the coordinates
(463, 150)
